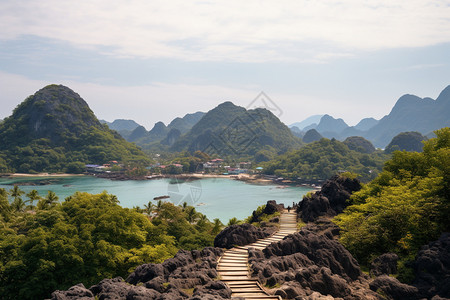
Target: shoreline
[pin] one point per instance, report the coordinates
(247, 178)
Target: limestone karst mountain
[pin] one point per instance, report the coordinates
(55, 130)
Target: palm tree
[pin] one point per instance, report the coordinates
(33, 195)
(5, 207)
(191, 214)
(202, 222)
(16, 193)
(148, 208)
(49, 201)
(51, 198)
(233, 221)
(217, 227)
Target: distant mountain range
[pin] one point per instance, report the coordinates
(410, 113)
(160, 133)
(233, 130)
(55, 130)
(121, 124)
(225, 130)
(307, 122)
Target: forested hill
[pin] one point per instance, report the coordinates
(229, 129)
(325, 158)
(55, 130)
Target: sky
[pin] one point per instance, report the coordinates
(156, 60)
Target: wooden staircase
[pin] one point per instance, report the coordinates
(233, 266)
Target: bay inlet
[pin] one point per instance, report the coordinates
(221, 198)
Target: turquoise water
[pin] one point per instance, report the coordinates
(215, 197)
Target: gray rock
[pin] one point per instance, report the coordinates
(115, 288)
(384, 264)
(432, 268)
(330, 200)
(241, 235)
(79, 292)
(311, 264)
(142, 293)
(391, 288)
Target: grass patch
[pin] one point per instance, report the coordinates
(190, 292)
(300, 224)
(275, 286)
(166, 285)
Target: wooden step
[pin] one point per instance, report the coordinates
(233, 265)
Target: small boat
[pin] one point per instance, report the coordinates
(161, 197)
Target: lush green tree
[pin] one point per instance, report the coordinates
(218, 226)
(18, 204)
(33, 195)
(85, 239)
(4, 204)
(406, 206)
(49, 201)
(233, 221)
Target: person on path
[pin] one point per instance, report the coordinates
(289, 209)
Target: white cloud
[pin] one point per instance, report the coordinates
(148, 104)
(231, 30)
(145, 104)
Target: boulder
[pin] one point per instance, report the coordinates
(172, 279)
(272, 207)
(330, 200)
(78, 291)
(319, 249)
(384, 264)
(310, 264)
(115, 288)
(213, 290)
(391, 288)
(241, 235)
(432, 268)
(142, 293)
(146, 272)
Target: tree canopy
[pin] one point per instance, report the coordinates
(406, 206)
(323, 159)
(51, 245)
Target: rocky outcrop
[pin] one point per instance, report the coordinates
(188, 275)
(78, 292)
(384, 264)
(432, 268)
(391, 288)
(330, 200)
(311, 264)
(270, 208)
(240, 235)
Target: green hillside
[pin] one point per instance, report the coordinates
(230, 130)
(408, 141)
(323, 159)
(54, 130)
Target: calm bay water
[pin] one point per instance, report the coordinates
(215, 197)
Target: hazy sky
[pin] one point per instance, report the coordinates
(156, 60)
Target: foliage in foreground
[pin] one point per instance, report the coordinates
(406, 206)
(46, 245)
